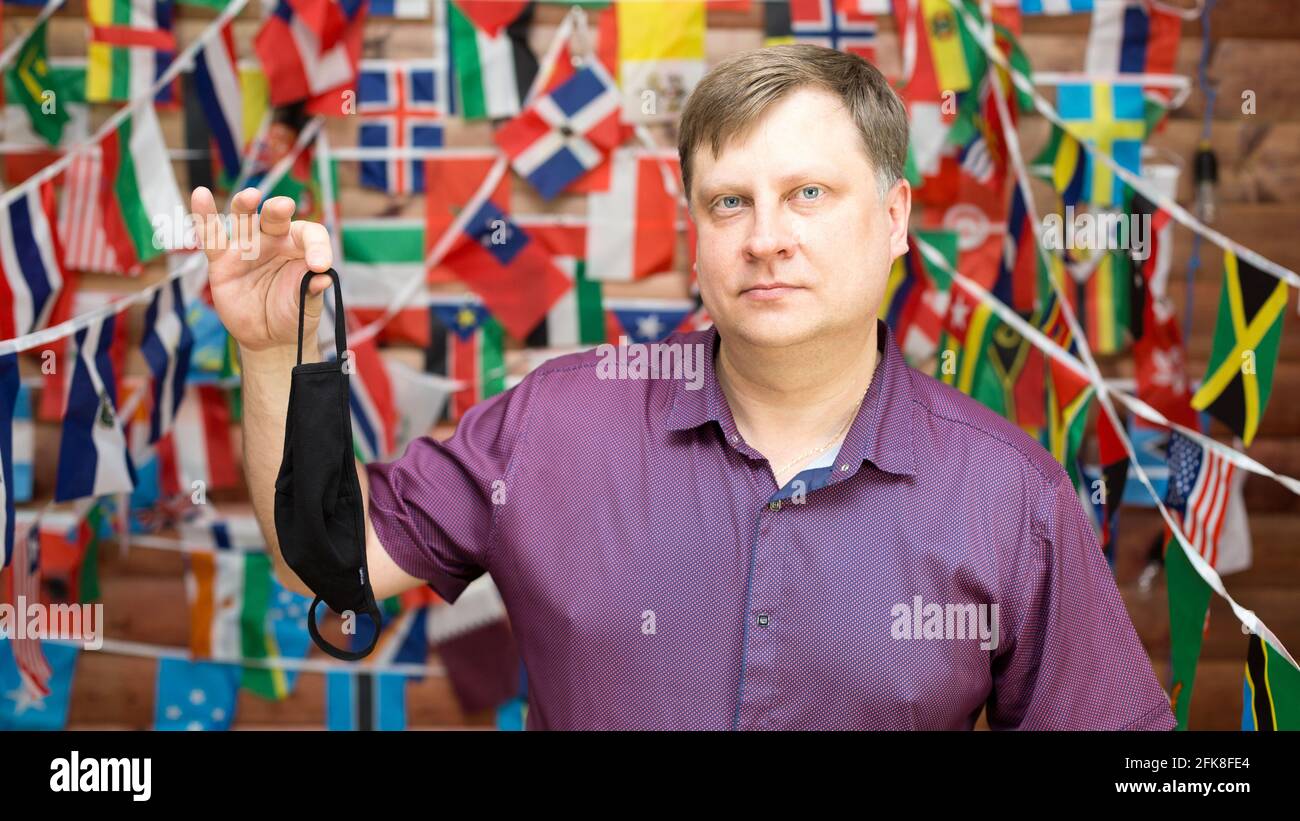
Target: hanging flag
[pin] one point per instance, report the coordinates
(31, 276)
(136, 189)
(1063, 162)
(379, 257)
(660, 57)
(360, 699)
(10, 382)
(566, 132)
(452, 183)
(1112, 119)
(1114, 475)
(93, 457)
(421, 400)
(1132, 37)
(20, 709)
(917, 294)
(374, 416)
(195, 695)
(466, 344)
(34, 671)
(217, 87)
(1199, 489)
(1068, 396)
(400, 109)
(1247, 334)
(28, 150)
(166, 346)
(490, 73)
(401, 9)
(131, 45)
(81, 225)
(1101, 299)
(968, 328)
(1189, 613)
(310, 50)
(837, 24)
(945, 37)
(632, 227)
(578, 318)
(507, 268)
(491, 16)
(643, 319)
(1160, 365)
(1270, 690)
(32, 84)
(1055, 6)
(23, 451)
(199, 447)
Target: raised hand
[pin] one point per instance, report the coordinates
(256, 269)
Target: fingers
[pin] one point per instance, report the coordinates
(275, 216)
(243, 207)
(318, 284)
(314, 241)
(209, 229)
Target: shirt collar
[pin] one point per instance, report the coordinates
(881, 433)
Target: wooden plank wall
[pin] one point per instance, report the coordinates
(1256, 48)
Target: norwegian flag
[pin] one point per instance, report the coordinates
(839, 24)
(566, 132)
(400, 108)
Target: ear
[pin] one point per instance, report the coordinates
(898, 210)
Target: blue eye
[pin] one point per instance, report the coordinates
(811, 187)
(724, 199)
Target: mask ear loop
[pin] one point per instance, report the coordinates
(340, 329)
(342, 655)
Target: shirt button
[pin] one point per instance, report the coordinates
(775, 505)
(762, 619)
(734, 438)
(844, 468)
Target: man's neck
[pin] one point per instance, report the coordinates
(783, 399)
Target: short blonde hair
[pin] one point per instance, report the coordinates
(731, 99)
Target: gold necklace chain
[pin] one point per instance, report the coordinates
(833, 440)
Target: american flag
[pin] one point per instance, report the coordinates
(1200, 483)
(81, 230)
(25, 588)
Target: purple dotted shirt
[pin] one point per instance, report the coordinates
(657, 578)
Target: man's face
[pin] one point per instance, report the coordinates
(795, 203)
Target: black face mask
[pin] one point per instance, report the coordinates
(319, 514)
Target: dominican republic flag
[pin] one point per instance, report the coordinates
(1200, 486)
(31, 275)
(512, 272)
(632, 227)
(374, 414)
(835, 24)
(166, 346)
(566, 132)
(93, 457)
(216, 79)
(646, 320)
(400, 108)
(310, 50)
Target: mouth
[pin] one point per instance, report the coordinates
(770, 291)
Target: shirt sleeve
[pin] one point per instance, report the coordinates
(1075, 661)
(433, 507)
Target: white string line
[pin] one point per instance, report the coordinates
(984, 36)
(1134, 181)
(1052, 349)
(182, 61)
(13, 48)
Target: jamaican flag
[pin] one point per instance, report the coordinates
(1271, 690)
(1247, 334)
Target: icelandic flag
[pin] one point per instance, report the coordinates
(166, 347)
(566, 132)
(9, 383)
(31, 275)
(400, 108)
(647, 320)
(93, 457)
(216, 79)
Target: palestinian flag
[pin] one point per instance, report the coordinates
(491, 73)
(1247, 334)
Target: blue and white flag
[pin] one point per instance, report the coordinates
(93, 456)
(195, 695)
(9, 382)
(31, 275)
(216, 79)
(166, 346)
(648, 320)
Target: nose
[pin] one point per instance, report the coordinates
(772, 234)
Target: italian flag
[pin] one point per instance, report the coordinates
(137, 186)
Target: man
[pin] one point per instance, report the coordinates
(808, 539)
